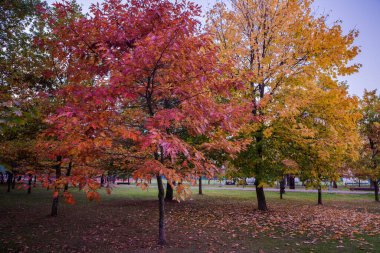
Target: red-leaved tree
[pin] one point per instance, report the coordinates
(141, 77)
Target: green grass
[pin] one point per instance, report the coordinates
(220, 220)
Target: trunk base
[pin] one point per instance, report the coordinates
(161, 206)
(169, 193)
(319, 196)
(376, 185)
(282, 187)
(200, 186)
(54, 207)
(261, 202)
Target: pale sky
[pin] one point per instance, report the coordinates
(363, 15)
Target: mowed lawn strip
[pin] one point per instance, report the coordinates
(219, 221)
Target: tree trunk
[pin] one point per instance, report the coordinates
(291, 182)
(169, 192)
(335, 186)
(68, 173)
(161, 205)
(128, 182)
(319, 195)
(102, 180)
(30, 184)
(1, 178)
(282, 187)
(261, 202)
(376, 185)
(54, 207)
(200, 186)
(13, 181)
(9, 181)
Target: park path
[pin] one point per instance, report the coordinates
(270, 189)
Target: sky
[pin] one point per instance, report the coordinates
(363, 15)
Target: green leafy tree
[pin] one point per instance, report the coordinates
(369, 163)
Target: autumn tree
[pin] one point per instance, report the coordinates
(22, 69)
(368, 164)
(319, 131)
(270, 42)
(141, 74)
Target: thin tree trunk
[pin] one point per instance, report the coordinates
(169, 192)
(1, 178)
(261, 202)
(319, 195)
(9, 181)
(282, 187)
(14, 181)
(30, 184)
(102, 181)
(161, 205)
(376, 185)
(68, 173)
(54, 207)
(200, 186)
(335, 186)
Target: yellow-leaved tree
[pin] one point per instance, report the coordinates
(318, 129)
(269, 43)
(368, 166)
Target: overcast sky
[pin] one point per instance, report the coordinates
(363, 15)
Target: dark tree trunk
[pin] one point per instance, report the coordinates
(14, 181)
(200, 186)
(335, 185)
(169, 192)
(359, 182)
(128, 182)
(282, 187)
(54, 207)
(376, 185)
(9, 181)
(291, 182)
(261, 202)
(1, 178)
(68, 173)
(102, 181)
(161, 205)
(209, 181)
(319, 195)
(35, 181)
(30, 184)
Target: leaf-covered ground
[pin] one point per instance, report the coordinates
(219, 221)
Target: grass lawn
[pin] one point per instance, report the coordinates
(218, 221)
